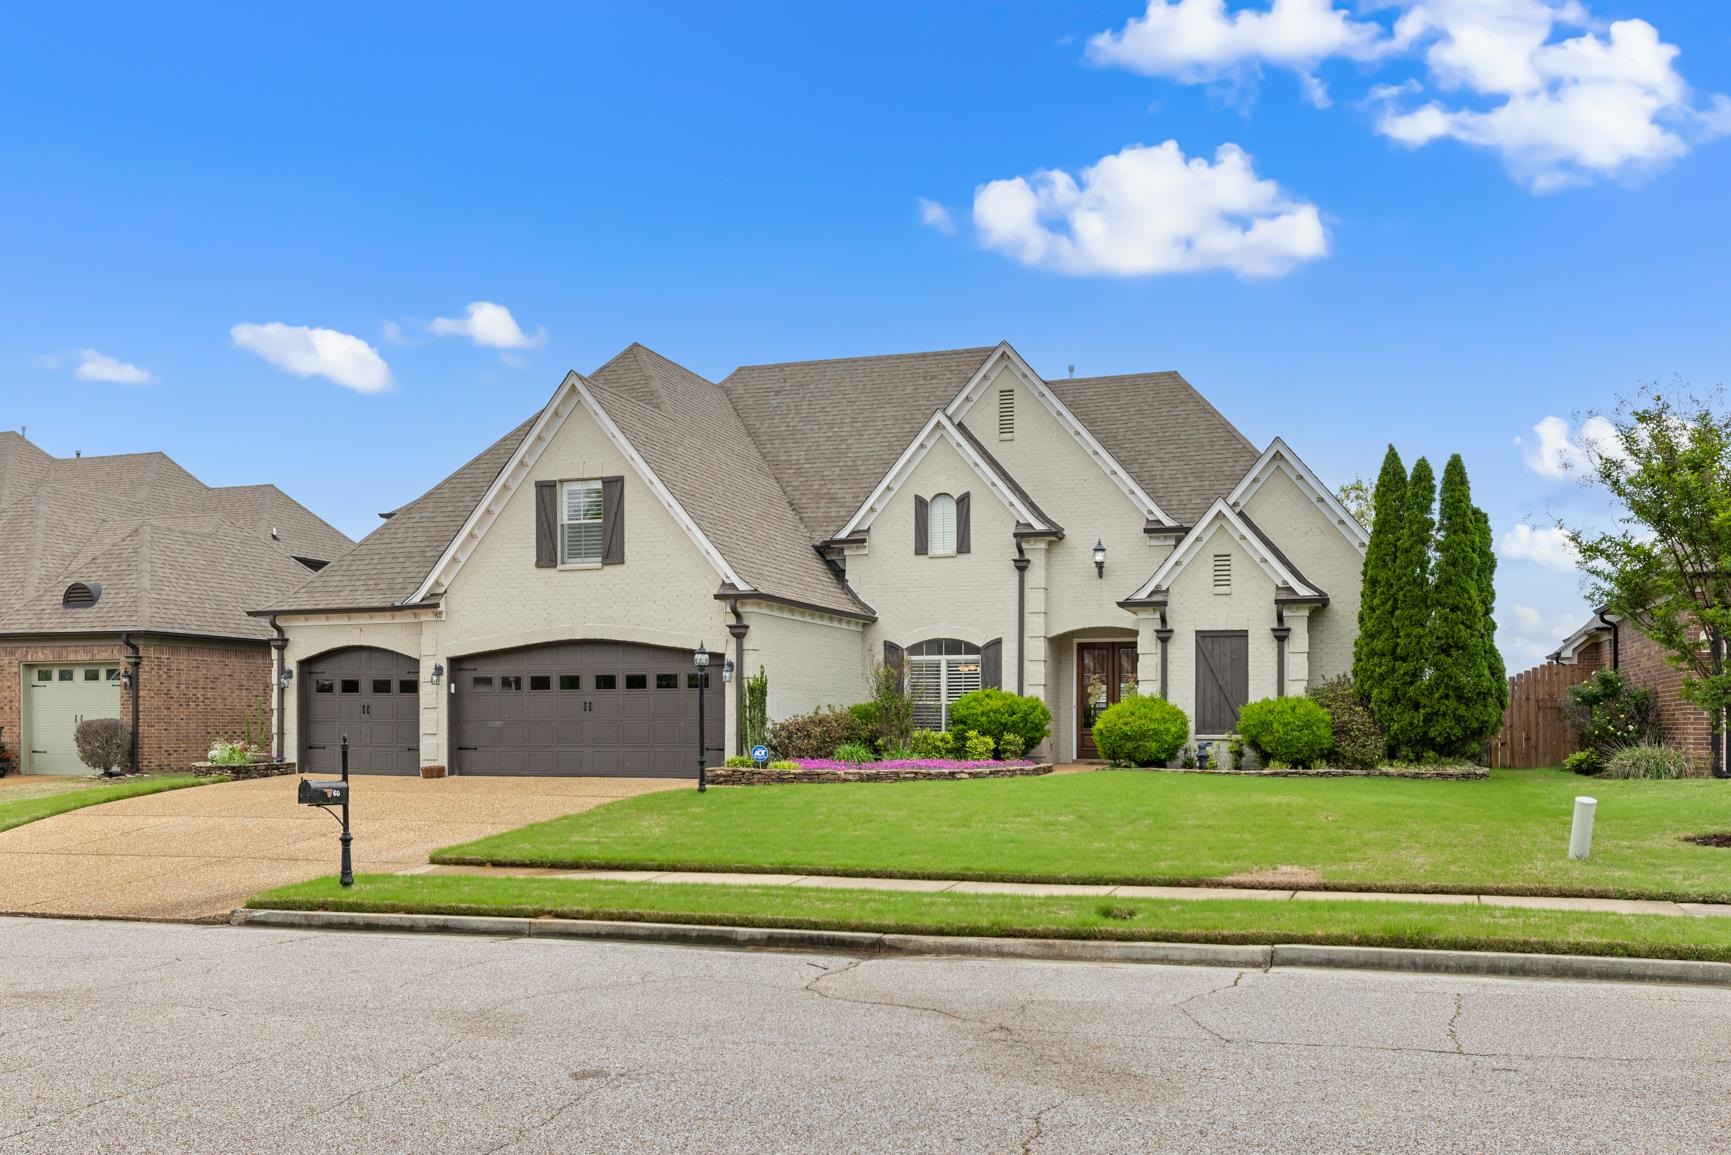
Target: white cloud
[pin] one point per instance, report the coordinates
(94, 366)
(1559, 111)
(1525, 635)
(1549, 546)
(307, 352)
(490, 325)
(1148, 210)
(935, 216)
(1557, 451)
(1198, 41)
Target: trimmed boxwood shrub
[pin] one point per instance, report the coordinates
(1287, 731)
(816, 735)
(1141, 731)
(996, 713)
(932, 744)
(1359, 743)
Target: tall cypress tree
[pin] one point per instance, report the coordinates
(1496, 695)
(1373, 650)
(1404, 716)
(1454, 693)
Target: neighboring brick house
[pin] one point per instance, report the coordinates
(125, 581)
(1607, 642)
(951, 514)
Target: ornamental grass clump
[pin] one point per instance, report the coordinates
(1287, 731)
(1141, 731)
(1649, 761)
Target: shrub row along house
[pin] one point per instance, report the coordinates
(952, 515)
(124, 589)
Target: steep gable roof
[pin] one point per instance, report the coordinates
(1290, 584)
(1279, 457)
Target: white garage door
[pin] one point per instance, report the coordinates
(56, 700)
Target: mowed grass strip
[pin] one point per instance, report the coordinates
(1508, 834)
(31, 803)
(1344, 922)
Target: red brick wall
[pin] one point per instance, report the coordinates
(1643, 663)
(189, 692)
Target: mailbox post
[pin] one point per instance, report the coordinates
(327, 794)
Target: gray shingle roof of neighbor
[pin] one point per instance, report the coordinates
(170, 554)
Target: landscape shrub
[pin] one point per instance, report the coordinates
(1650, 761)
(101, 743)
(1141, 731)
(784, 765)
(1358, 743)
(978, 747)
(228, 753)
(1608, 714)
(739, 761)
(1010, 746)
(1585, 762)
(932, 744)
(997, 713)
(1287, 731)
(817, 734)
(855, 752)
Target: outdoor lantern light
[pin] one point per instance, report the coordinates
(288, 676)
(701, 658)
(727, 670)
(438, 672)
(1099, 558)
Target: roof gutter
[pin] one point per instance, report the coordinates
(430, 603)
(736, 596)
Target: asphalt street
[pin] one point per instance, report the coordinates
(136, 1037)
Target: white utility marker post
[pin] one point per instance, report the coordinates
(1581, 834)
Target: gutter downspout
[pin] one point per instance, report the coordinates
(279, 644)
(1616, 640)
(738, 629)
(134, 659)
(1021, 563)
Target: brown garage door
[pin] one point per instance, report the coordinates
(371, 695)
(582, 708)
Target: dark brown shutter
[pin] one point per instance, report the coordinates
(546, 524)
(962, 523)
(920, 517)
(992, 664)
(895, 659)
(612, 520)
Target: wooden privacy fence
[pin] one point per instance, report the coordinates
(1535, 731)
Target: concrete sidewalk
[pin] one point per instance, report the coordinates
(1059, 890)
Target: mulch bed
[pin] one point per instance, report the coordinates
(1708, 839)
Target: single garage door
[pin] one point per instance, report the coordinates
(582, 708)
(57, 698)
(371, 695)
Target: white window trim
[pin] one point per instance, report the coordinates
(599, 521)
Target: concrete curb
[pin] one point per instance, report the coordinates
(1438, 962)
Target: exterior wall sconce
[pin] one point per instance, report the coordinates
(727, 670)
(287, 676)
(1099, 558)
(438, 672)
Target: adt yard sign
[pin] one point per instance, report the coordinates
(760, 754)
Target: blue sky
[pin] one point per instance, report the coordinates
(1433, 222)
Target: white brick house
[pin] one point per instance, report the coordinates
(939, 513)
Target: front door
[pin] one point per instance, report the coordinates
(1105, 673)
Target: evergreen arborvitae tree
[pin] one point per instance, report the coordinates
(1454, 692)
(1373, 651)
(1404, 715)
(1496, 698)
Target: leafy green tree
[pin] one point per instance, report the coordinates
(1404, 712)
(1666, 465)
(1454, 692)
(1359, 497)
(1496, 695)
(1373, 651)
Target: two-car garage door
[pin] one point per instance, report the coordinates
(582, 708)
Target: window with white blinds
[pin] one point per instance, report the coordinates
(939, 672)
(941, 539)
(580, 523)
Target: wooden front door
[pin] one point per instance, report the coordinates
(1105, 673)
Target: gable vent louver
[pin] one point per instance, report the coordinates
(81, 595)
(1222, 573)
(1006, 415)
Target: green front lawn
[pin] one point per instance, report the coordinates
(1356, 923)
(1505, 835)
(20, 804)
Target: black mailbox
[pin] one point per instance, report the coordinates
(324, 793)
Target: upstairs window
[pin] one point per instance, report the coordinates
(942, 526)
(939, 671)
(580, 533)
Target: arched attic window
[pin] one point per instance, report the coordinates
(940, 671)
(81, 595)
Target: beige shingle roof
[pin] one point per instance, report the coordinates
(170, 554)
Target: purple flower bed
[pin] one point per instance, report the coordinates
(906, 764)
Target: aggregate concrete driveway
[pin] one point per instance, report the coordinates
(198, 853)
(132, 1037)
